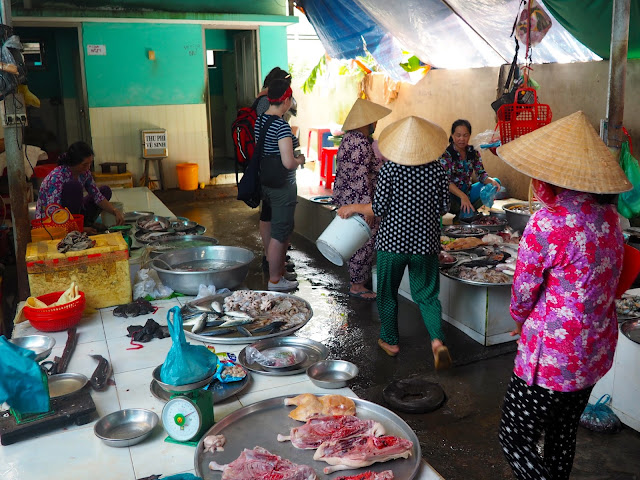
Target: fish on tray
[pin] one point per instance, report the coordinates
(260, 464)
(361, 451)
(320, 429)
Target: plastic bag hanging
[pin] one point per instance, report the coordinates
(539, 21)
(185, 363)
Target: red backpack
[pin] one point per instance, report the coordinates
(242, 133)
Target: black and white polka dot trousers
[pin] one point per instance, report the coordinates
(530, 411)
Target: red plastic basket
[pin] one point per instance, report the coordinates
(56, 318)
(76, 224)
(517, 119)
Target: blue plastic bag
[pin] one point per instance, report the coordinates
(488, 194)
(182, 476)
(21, 383)
(600, 417)
(222, 364)
(185, 363)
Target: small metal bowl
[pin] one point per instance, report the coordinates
(183, 225)
(631, 330)
(299, 357)
(64, 384)
(40, 344)
(332, 373)
(179, 388)
(126, 427)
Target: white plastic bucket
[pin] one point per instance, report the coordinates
(342, 238)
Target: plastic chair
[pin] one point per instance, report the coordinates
(320, 134)
(327, 166)
(630, 270)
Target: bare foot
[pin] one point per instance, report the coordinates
(359, 290)
(391, 350)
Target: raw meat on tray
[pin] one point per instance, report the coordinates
(309, 406)
(362, 451)
(260, 464)
(386, 475)
(334, 427)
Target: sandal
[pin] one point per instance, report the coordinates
(387, 350)
(442, 358)
(361, 295)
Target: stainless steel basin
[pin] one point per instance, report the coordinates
(231, 275)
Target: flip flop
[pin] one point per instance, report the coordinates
(442, 358)
(361, 295)
(389, 352)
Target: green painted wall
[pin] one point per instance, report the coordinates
(218, 39)
(264, 7)
(68, 54)
(273, 49)
(126, 77)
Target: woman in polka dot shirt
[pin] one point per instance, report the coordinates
(411, 196)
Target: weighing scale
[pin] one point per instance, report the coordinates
(77, 407)
(189, 412)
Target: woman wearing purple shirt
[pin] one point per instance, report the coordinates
(65, 185)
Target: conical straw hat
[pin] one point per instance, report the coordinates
(413, 141)
(567, 153)
(364, 113)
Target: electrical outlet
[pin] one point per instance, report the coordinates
(9, 120)
(22, 119)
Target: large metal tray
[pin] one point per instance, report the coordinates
(259, 425)
(219, 391)
(471, 282)
(236, 338)
(315, 352)
(465, 231)
(199, 230)
(157, 247)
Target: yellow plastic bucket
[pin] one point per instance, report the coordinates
(187, 176)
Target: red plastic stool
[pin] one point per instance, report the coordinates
(319, 133)
(327, 166)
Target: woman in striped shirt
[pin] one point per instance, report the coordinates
(278, 178)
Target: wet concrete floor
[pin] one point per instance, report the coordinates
(460, 439)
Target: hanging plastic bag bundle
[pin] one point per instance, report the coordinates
(629, 202)
(21, 384)
(600, 417)
(185, 363)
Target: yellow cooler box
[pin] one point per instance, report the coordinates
(101, 272)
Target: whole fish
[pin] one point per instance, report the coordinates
(214, 323)
(101, 374)
(234, 322)
(270, 327)
(240, 315)
(216, 307)
(200, 323)
(244, 331)
(217, 332)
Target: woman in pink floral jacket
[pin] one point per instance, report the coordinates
(563, 297)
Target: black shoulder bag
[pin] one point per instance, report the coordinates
(249, 185)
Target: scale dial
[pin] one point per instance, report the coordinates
(181, 419)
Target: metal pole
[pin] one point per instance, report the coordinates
(617, 72)
(13, 119)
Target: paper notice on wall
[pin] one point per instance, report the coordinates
(96, 49)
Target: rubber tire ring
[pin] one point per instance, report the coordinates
(424, 396)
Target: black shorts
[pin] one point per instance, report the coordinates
(265, 211)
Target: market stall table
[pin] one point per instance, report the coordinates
(75, 452)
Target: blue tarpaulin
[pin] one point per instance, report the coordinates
(451, 34)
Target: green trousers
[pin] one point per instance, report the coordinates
(424, 278)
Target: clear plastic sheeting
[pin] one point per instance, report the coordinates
(346, 32)
(451, 34)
